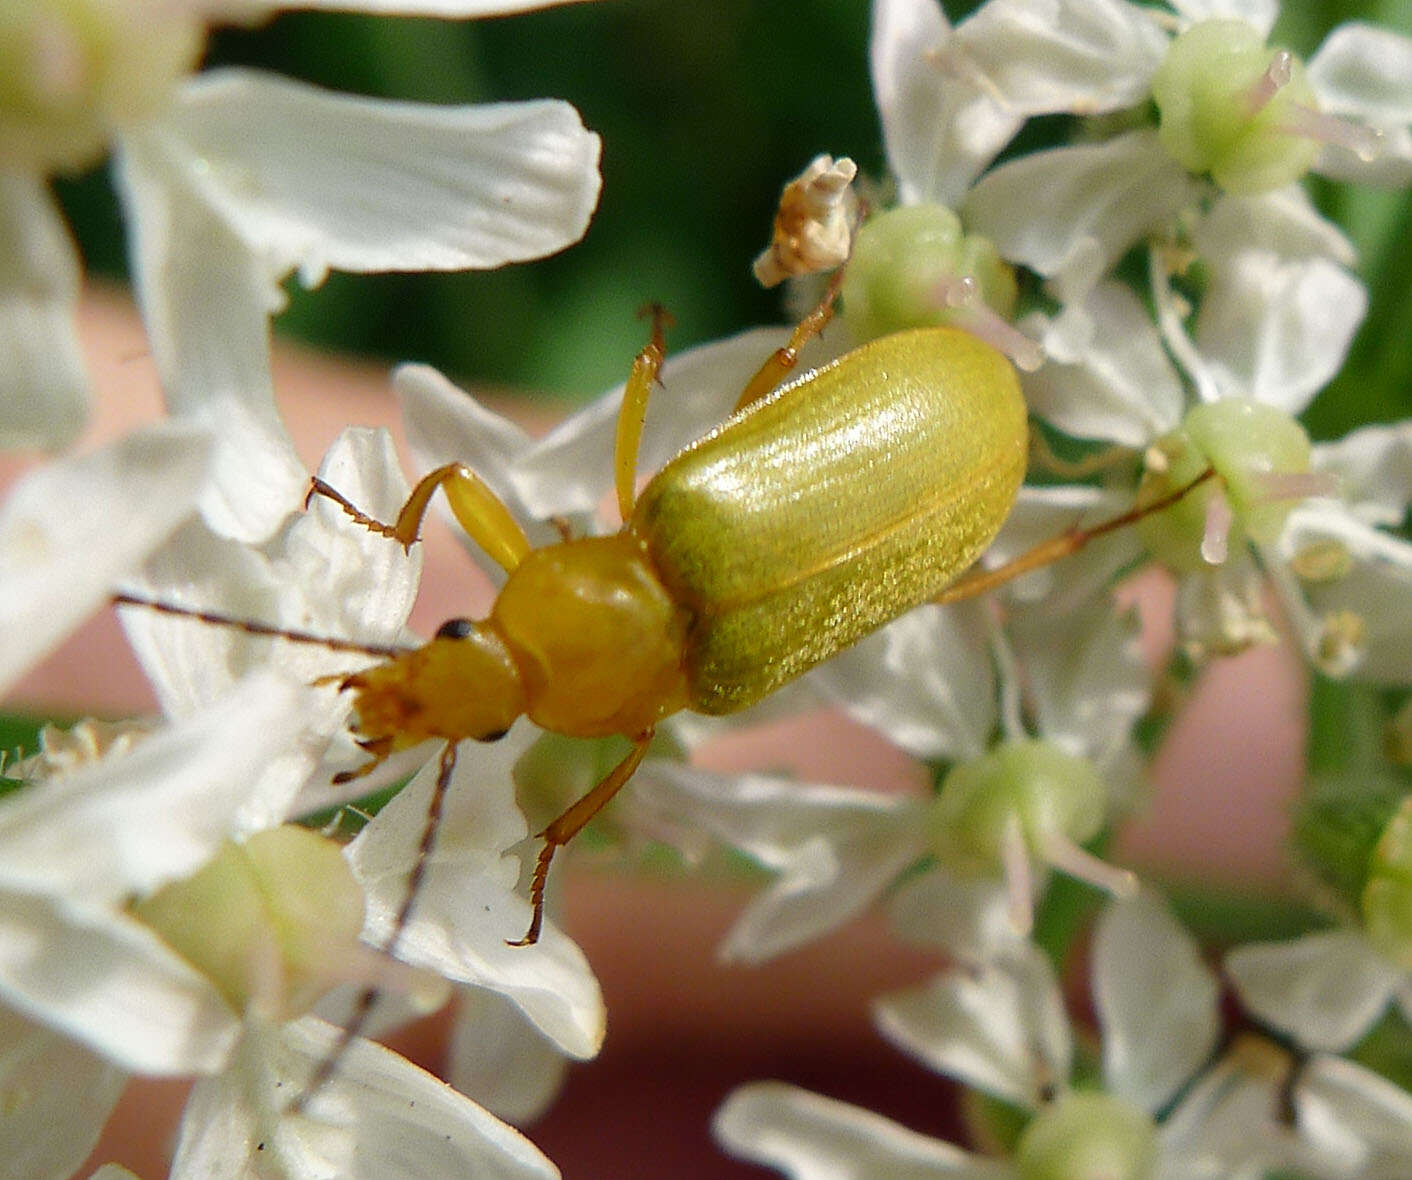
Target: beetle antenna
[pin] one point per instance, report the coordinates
(254, 627)
(363, 1005)
(1066, 544)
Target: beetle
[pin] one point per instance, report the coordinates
(811, 517)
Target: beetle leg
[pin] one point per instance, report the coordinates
(633, 411)
(480, 512)
(978, 581)
(774, 370)
(571, 822)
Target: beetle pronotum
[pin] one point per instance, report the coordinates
(818, 512)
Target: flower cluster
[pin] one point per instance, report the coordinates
(176, 903)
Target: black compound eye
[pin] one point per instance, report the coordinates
(455, 629)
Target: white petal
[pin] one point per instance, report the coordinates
(1041, 513)
(1373, 466)
(206, 299)
(1324, 989)
(1225, 1125)
(1277, 330)
(73, 529)
(1364, 73)
(970, 919)
(378, 1116)
(54, 1099)
(112, 984)
(925, 681)
(1087, 689)
(999, 1027)
(332, 181)
(1105, 374)
(1098, 200)
(446, 424)
(498, 1060)
(468, 906)
(131, 824)
(835, 848)
(43, 385)
(1357, 1116)
(809, 1137)
(1081, 56)
(940, 129)
(1364, 70)
(1157, 1002)
(1283, 222)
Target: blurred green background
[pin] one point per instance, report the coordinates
(705, 108)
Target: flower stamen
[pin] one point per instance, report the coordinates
(1363, 141)
(1073, 860)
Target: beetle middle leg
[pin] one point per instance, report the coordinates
(774, 370)
(479, 511)
(568, 825)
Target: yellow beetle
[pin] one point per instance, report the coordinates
(811, 517)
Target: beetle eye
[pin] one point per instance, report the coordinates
(455, 629)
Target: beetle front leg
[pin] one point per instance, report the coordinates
(478, 510)
(633, 412)
(571, 822)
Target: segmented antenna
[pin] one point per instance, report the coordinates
(363, 1005)
(254, 627)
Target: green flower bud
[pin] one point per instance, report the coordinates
(1086, 1136)
(72, 71)
(274, 919)
(1048, 790)
(1231, 106)
(1245, 442)
(909, 261)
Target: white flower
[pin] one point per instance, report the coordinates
(926, 682)
(377, 1116)
(230, 181)
(77, 965)
(1040, 57)
(1002, 1029)
(1274, 325)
